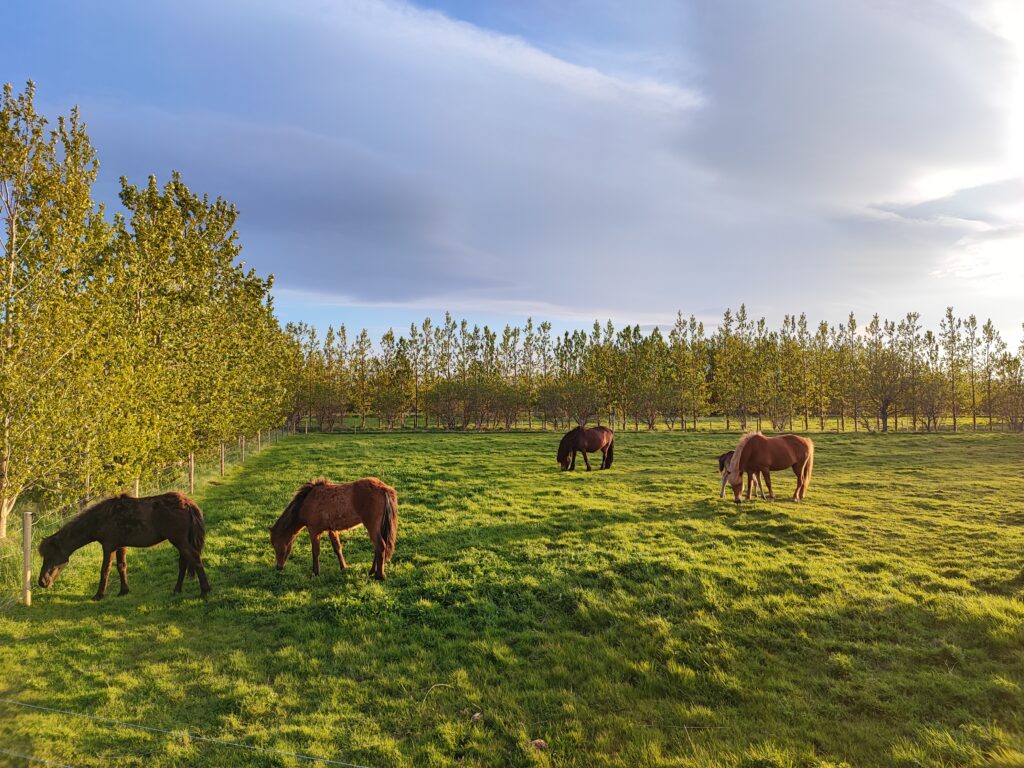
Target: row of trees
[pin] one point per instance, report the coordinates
(126, 342)
(453, 375)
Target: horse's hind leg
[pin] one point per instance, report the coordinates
(182, 567)
(799, 482)
(336, 543)
(586, 460)
(768, 481)
(122, 569)
(108, 557)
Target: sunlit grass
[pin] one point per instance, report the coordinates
(627, 617)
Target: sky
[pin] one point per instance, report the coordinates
(571, 160)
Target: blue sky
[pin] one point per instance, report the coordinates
(571, 160)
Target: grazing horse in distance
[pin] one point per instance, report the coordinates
(322, 506)
(753, 478)
(758, 453)
(586, 441)
(126, 521)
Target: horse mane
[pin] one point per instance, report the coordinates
(564, 446)
(734, 466)
(287, 518)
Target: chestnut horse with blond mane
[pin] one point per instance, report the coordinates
(325, 507)
(756, 453)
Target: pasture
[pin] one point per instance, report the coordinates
(628, 617)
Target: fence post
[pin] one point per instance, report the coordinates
(222, 459)
(135, 488)
(26, 554)
(191, 473)
(241, 445)
(259, 440)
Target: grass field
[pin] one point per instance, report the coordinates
(627, 617)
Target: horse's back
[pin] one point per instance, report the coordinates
(143, 522)
(340, 506)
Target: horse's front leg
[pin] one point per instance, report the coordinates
(572, 464)
(750, 482)
(336, 543)
(586, 460)
(314, 540)
(122, 569)
(108, 557)
(768, 481)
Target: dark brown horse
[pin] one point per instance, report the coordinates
(126, 521)
(586, 441)
(753, 478)
(757, 453)
(322, 506)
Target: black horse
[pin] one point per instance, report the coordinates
(126, 521)
(586, 441)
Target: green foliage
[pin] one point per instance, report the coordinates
(126, 345)
(626, 617)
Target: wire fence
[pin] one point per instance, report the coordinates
(178, 733)
(184, 475)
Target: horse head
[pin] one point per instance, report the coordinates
(54, 560)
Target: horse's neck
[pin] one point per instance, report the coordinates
(78, 532)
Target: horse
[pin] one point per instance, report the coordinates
(753, 478)
(586, 441)
(127, 521)
(321, 506)
(757, 453)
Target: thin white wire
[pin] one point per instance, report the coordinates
(34, 759)
(192, 736)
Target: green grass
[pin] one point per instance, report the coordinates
(627, 617)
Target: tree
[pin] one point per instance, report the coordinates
(53, 285)
(951, 345)
(992, 351)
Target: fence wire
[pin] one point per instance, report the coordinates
(173, 477)
(180, 732)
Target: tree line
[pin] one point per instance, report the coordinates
(126, 341)
(889, 374)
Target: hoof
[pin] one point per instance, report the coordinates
(122, 593)
(377, 577)
(97, 597)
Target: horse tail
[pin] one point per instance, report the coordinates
(807, 469)
(611, 453)
(389, 523)
(196, 532)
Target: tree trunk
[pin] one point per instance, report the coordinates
(191, 473)
(6, 507)
(26, 555)
(259, 440)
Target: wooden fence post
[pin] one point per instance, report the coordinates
(191, 473)
(259, 440)
(241, 445)
(135, 488)
(222, 459)
(26, 554)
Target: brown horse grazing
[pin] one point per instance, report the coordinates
(753, 478)
(321, 506)
(126, 521)
(757, 453)
(586, 441)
